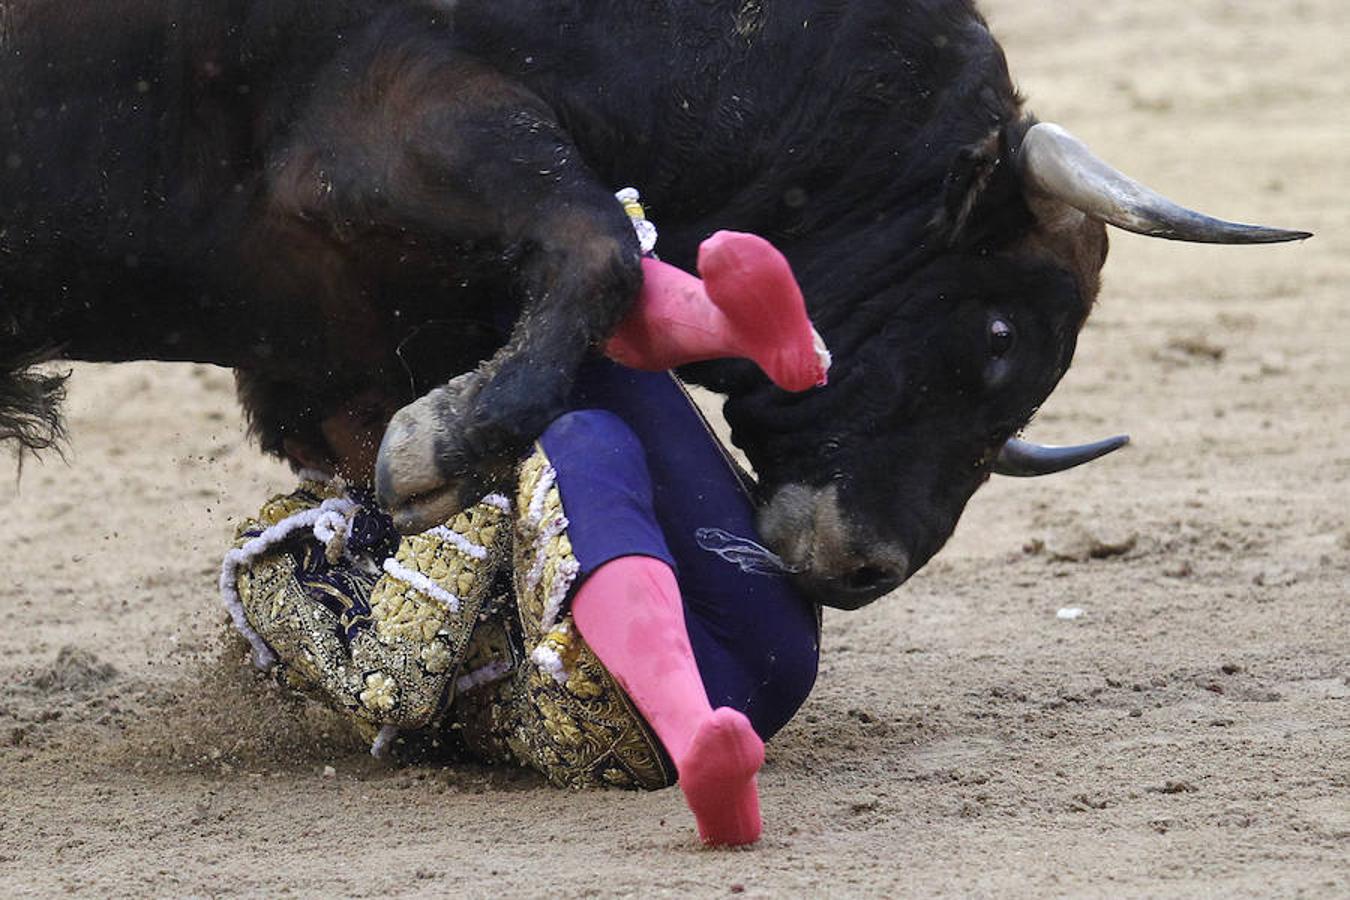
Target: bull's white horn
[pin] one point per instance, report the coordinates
(1056, 164)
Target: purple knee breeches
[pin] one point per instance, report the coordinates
(640, 473)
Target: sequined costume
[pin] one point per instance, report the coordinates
(466, 628)
(452, 652)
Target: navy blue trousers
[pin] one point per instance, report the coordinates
(639, 473)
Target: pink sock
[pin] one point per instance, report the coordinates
(631, 614)
(751, 282)
(717, 776)
(748, 305)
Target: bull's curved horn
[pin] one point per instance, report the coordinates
(1023, 459)
(1056, 164)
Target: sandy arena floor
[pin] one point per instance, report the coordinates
(1188, 736)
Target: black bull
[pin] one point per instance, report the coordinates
(305, 189)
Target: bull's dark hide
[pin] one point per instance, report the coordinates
(327, 194)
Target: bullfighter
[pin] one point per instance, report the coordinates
(609, 619)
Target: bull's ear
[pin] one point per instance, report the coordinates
(966, 182)
(980, 193)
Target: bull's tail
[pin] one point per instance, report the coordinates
(30, 402)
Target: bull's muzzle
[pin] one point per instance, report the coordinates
(836, 562)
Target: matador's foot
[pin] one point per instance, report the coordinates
(751, 283)
(717, 775)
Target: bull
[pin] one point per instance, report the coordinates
(309, 192)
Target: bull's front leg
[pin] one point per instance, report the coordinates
(416, 138)
(448, 448)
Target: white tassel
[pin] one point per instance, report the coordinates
(646, 231)
(549, 662)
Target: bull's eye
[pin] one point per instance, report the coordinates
(1001, 337)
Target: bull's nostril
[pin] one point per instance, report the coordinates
(870, 578)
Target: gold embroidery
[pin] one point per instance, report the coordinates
(381, 692)
(401, 613)
(397, 672)
(579, 729)
(309, 495)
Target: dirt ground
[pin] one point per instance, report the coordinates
(1189, 735)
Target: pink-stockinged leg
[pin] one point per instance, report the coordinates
(631, 615)
(629, 610)
(747, 305)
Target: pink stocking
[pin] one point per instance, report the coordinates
(747, 305)
(630, 613)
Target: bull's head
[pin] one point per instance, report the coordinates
(938, 372)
